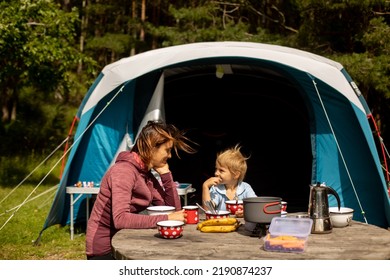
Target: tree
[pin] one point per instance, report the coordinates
(37, 50)
(371, 70)
(197, 21)
(41, 43)
(38, 80)
(331, 26)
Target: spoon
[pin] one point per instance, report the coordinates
(207, 204)
(201, 207)
(211, 207)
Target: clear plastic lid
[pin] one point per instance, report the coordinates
(299, 227)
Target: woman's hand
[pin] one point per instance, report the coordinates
(163, 169)
(178, 216)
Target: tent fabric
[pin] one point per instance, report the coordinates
(179, 83)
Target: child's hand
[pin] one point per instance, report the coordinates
(212, 181)
(240, 212)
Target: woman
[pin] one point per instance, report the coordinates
(129, 187)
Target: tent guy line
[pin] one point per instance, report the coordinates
(339, 149)
(30, 194)
(70, 148)
(52, 189)
(52, 168)
(35, 169)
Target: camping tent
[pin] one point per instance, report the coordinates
(298, 116)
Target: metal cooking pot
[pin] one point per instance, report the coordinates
(262, 209)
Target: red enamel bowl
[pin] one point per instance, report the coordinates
(220, 214)
(170, 229)
(233, 205)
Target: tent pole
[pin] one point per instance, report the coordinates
(67, 144)
(370, 116)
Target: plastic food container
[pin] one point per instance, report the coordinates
(288, 235)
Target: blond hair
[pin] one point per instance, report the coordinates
(234, 160)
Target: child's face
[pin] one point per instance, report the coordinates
(224, 174)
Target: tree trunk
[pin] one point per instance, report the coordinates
(134, 32)
(143, 18)
(156, 21)
(83, 33)
(9, 105)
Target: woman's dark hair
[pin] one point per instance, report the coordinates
(156, 133)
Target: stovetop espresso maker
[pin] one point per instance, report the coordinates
(319, 207)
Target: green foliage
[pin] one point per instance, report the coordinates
(332, 25)
(44, 76)
(38, 39)
(201, 24)
(30, 169)
(371, 73)
(39, 128)
(371, 69)
(116, 42)
(37, 50)
(38, 57)
(18, 235)
(377, 37)
(109, 45)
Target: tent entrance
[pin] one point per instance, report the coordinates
(263, 112)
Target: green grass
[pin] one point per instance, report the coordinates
(17, 235)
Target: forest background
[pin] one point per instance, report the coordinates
(51, 51)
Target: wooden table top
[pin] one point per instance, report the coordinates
(357, 241)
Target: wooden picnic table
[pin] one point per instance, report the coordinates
(357, 241)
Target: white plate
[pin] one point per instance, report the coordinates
(160, 210)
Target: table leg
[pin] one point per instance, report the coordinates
(71, 217)
(87, 215)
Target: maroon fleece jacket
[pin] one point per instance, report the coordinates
(126, 189)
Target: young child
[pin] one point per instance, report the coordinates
(228, 184)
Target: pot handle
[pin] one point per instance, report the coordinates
(269, 205)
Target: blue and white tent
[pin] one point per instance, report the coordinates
(298, 115)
